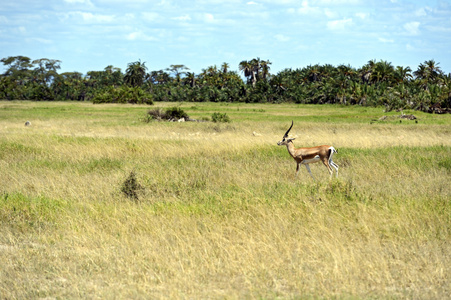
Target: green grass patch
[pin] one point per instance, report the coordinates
(29, 213)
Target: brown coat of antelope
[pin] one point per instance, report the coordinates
(306, 156)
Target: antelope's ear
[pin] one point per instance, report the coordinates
(290, 139)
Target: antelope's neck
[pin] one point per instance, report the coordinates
(291, 149)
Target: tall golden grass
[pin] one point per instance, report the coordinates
(220, 213)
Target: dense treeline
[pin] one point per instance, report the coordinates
(376, 83)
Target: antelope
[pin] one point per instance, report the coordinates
(306, 156)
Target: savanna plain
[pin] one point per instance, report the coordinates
(217, 211)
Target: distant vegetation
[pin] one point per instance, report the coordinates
(376, 83)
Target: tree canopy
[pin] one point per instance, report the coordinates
(375, 83)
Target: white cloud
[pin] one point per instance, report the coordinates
(339, 24)
(362, 16)
(306, 9)
(412, 28)
(183, 18)
(421, 12)
(384, 40)
(79, 1)
(90, 17)
(138, 35)
(439, 29)
(330, 13)
(251, 3)
(217, 2)
(336, 2)
(133, 36)
(110, 2)
(209, 18)
(151, 16)
(281, 38)
(282, 2)
(41, 40)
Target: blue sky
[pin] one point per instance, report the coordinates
(88, 35)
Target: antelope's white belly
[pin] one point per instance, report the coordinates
(309, 161)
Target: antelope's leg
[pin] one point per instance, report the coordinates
(334, 165)
(326, 163)
(310, 172)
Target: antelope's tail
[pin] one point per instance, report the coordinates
(332, 150)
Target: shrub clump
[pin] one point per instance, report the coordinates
(130, 187)
(176, 113)
(169, 114)
(220, 117)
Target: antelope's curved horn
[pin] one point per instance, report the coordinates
(286, 133)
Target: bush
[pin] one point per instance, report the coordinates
(219, 117)
(124, 94)
(172, 113)
(130, 187)
(176, 113)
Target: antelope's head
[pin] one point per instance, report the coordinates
(285, 140)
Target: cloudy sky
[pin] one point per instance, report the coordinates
(88, 35)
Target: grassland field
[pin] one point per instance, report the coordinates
(219, 213)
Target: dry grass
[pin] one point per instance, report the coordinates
(221, 214)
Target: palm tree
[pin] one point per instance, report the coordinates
(212, 70)
(265, 68)
(433, 68)
(248, 69)
(429, 71)
(347, 71)
(367, 70)
(314, 73)
(114, 75)
(135, 73)
(403, 74)
(159, 77)
(383, 72)
(446, 94)
(190, 79)
(255, 69)
(225, 67)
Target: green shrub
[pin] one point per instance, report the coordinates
(176, 113)
(172, 113)
(123, 94)
(220, 117)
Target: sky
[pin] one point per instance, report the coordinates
(89, 35)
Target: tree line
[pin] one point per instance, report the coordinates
(376, 83)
